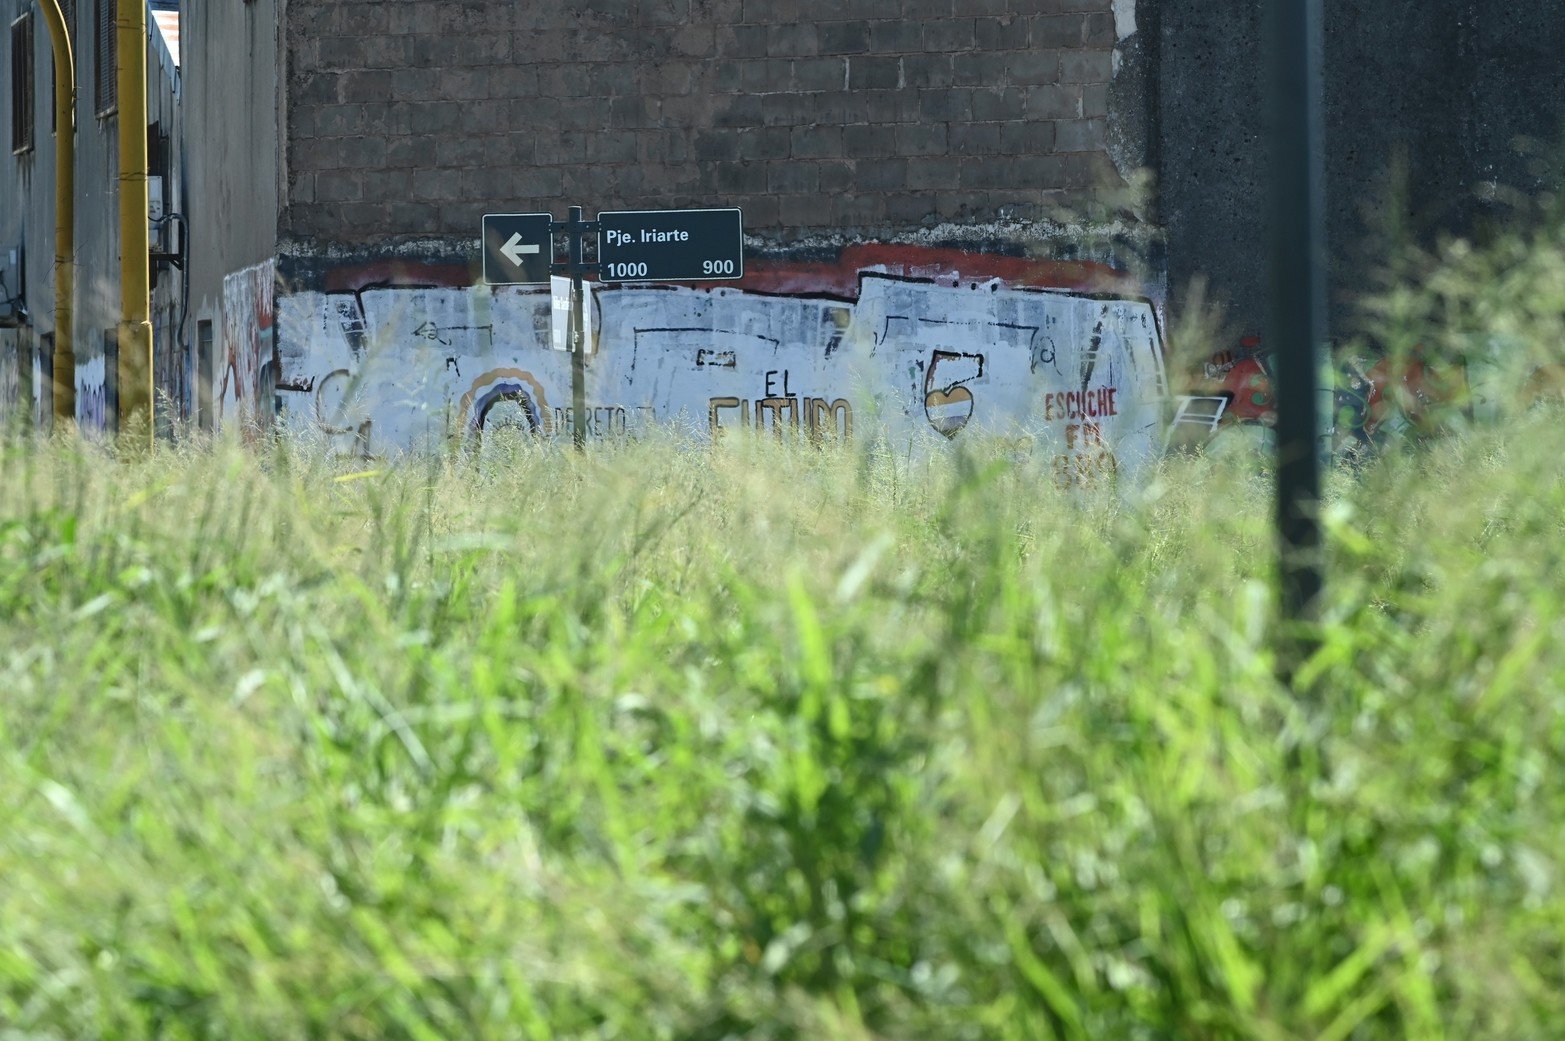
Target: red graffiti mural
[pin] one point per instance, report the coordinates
(1415, 392)
(249, 370)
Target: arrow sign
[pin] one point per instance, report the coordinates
(518, 248)
(514, 250)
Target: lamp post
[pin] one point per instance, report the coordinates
(1297, 332)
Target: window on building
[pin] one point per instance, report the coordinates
(22, 97)
(103, 66)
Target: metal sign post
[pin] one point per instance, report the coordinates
(576, 230)
(1297, 308)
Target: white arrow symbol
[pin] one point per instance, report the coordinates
(514, 250)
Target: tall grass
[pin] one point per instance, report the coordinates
(769, 741)
(762, 740)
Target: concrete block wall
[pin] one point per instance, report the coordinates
(412, 119)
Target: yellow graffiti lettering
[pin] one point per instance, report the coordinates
(818, 417)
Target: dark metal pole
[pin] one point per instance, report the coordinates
(1297, 329)
(578, 336)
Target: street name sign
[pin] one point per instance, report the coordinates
(518, 248)
(670, 245)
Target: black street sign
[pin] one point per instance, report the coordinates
(670, 245)
(518, 248)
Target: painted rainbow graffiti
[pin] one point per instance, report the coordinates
(506, 385)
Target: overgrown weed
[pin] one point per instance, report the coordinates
(769, 740)
(760, 740)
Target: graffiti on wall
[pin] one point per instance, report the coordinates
(506, 397)
(248, 369)
(92, 394)
(1369, 400)
(912, 341)
(1235, 392)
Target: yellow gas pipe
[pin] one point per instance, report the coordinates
(64, 362)
(135, 333)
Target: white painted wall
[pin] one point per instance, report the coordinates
(388, 370)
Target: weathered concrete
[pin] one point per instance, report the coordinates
(1442, 88)
(233, 115)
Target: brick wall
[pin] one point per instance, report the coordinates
(413, 118)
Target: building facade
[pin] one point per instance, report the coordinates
(991, 197)
(27, 193)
